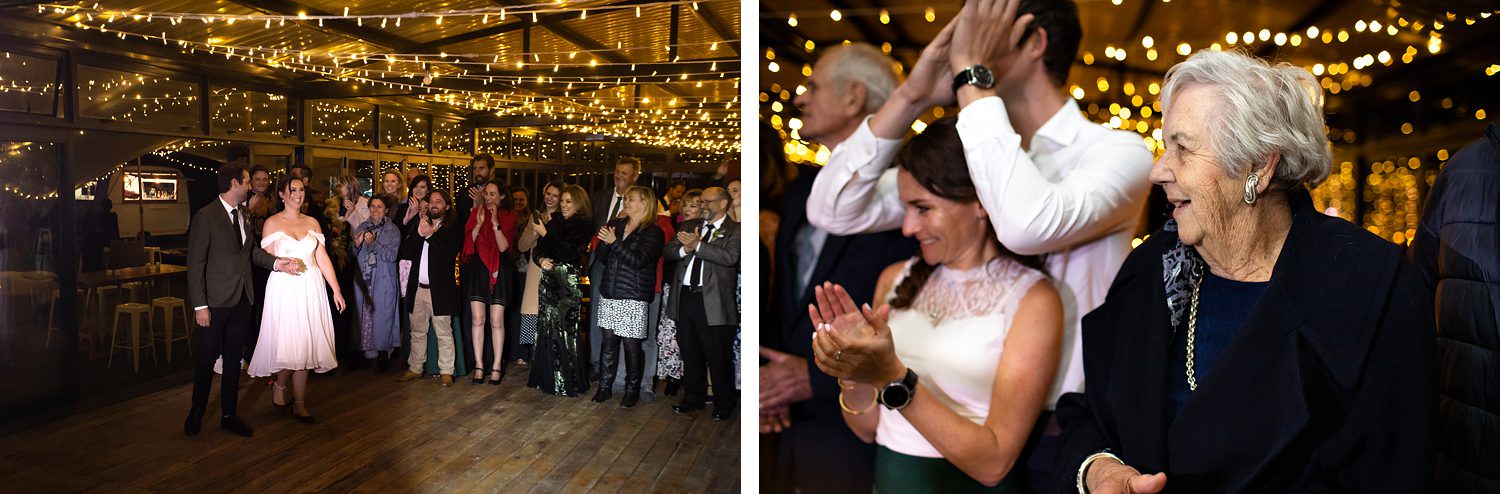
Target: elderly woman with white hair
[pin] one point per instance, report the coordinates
(1253, 344)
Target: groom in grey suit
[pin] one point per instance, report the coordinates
(706, 312)
(220, 248)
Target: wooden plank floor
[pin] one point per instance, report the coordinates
(376, 435)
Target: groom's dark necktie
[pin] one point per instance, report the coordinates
(239, 232)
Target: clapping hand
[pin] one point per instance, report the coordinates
(607, 234)
(852, 342)
(689, 240)
(426, 229)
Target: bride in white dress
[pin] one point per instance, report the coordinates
(296, 331)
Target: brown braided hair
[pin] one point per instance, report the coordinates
(935, 159)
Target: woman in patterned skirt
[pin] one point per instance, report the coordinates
(557, 366)
(669, 354)
(629, 247)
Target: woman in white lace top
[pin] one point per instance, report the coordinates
(950, 372)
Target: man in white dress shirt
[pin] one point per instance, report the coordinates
(1053, 182)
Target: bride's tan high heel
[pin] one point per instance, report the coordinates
(285, 408)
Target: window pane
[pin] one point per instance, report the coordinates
(138, 99)
(342, 122)
(398, 129)
(238, 110)
(28, 84)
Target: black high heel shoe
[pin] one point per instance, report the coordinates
(495, 377)
(478, 376)
(306, 419)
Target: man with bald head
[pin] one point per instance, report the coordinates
(703, 303)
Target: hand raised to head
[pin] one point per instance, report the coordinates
(988, 31)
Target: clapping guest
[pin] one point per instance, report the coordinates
(705, 310)
(692, 207)
(609, 205)
(376, 241)
(390, 185)
(432, 297)
(487, 235)
(629, 249)
(529, 236)
(558, 365)
(669, 351)
(979, 327)
(410, 210)
(353, 206)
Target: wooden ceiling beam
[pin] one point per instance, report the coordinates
(719, 27)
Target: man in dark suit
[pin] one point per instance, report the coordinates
(705, 311)
(481, 169)
(431, 294)
(607, 205)
(220, 248)
(816, 452)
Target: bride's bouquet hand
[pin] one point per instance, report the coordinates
(852, 342)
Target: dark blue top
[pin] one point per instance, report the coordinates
(1223, 306)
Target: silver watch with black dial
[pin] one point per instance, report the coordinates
(898, 393)
(977, 75)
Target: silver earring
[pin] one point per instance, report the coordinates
(1251, 183)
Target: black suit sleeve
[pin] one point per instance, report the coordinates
(198, 241)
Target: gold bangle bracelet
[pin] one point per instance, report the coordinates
(873, 400)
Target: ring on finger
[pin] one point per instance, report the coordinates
(838, 355)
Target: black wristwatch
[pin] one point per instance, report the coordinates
(978, 75)
(898, 393)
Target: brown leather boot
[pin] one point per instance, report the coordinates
(447, 380)
(408, 376)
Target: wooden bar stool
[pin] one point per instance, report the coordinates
(137, 315)
(167, 305)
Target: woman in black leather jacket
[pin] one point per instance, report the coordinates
(629, 247)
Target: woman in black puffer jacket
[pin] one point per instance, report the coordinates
(629, 247)
(1455, 253)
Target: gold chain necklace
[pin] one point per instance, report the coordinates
(1192, 328)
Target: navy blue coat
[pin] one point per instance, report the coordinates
(1330, 385)
(819, 453)
(1457, 254)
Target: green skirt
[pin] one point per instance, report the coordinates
(896, 473)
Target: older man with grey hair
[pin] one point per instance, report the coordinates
(816, 452)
